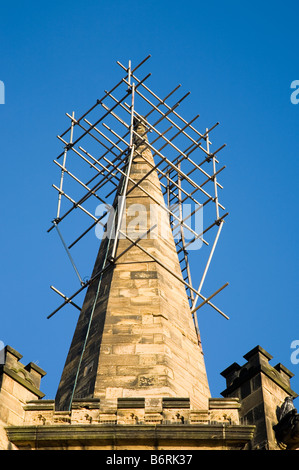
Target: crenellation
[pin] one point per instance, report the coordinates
(261, 389)
(131, 410)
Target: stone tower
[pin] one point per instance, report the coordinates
(262, 390)
(135, 336)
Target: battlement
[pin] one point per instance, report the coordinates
(134, 410)
(261, 389)
(30, 375)
(19, 384)
(242, 378)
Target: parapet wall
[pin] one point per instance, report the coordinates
(18, 385)
(132, 424)
(133, 411)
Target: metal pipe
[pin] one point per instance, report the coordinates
(76, 204)
(208, 263)
(64, 297)
(80, 182)
(137, 66)
(206, 301)
(94, 137)
(63, 167)
(206, 230)
(88, 229)
(69, 255)
(107, 138)
(215, 180)
(128, 170)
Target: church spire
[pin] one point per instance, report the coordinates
(135, 335)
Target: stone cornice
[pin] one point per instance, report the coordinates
(93, 434)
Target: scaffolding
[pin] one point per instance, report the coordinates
(104, 139)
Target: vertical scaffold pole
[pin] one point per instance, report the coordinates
(63, 167)
(125, 186)
(208, 263)
(214, 173)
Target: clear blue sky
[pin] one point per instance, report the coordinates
(238, 59)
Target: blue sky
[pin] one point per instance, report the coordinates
(238, 59)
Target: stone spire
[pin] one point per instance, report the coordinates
(135, 335)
